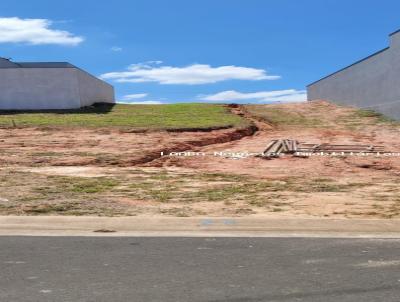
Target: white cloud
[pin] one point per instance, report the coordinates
(188, 75)
(289, 95)
(34, 31)
(116, 48)
(141, 103)
(129, 97)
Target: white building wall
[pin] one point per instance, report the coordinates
(92, 90)
(373, 83)
(38, 88)
(51, 88)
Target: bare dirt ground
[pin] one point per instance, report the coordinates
(109, 172)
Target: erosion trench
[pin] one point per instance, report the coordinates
(156, 158)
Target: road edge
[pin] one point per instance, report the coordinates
(198, 227)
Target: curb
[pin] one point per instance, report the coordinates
(198, 227)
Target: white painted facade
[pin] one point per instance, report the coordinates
(38, 86)
(371, 83)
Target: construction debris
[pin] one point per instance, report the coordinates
(278, 146)
(340, 148)
(288, 146)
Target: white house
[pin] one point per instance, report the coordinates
(50, 85)
(371, 83)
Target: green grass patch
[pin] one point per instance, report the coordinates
(171, 116)
(362, 117)
(78, 185)
(282, 117)
(377, 117)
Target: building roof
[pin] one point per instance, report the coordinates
(7, 63)
(359, 61)
(395, 32)
(340, 70)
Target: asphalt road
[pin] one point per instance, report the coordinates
(198, 269)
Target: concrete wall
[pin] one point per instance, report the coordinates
(50, 88)
(39, 88)
(6, 63)
(373, 83)
(92, 90)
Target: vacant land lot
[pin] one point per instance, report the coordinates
(48, 168)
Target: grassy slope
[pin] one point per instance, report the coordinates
(173, 116)
(318, 115)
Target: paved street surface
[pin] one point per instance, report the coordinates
(198, 269)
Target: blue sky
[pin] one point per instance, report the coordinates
(186, 50)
